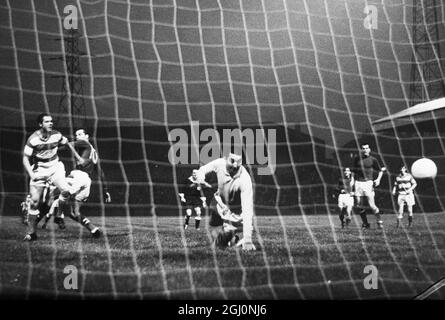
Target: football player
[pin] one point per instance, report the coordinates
(364, 168)
(346, 196)
(43, 145)
(193, 198)
(234, 201)
(24, 208)
(404, 186)
(79, 182)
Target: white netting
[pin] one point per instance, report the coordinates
(308, 70)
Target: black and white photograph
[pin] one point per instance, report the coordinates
(222, 150)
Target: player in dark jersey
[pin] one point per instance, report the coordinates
(193, 198)
(404, 186)
(346, 196)
(365, 166)
(79, 181)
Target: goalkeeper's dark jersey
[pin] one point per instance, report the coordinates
(192, 192)
(88, 154)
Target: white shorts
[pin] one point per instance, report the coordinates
(364, 188)
(345, 200)
(79, 185)
(52, 172)
(406, 198)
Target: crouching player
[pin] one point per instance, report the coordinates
(346, 197)
(79, 182)
(193, 198)
(231, 210)
(403, 188)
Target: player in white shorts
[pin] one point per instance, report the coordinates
(25, 206)
(346, 197)
(42, 146)
(364, 168)
(404, 186)
(193, 198)
(232, 208)
(79, 182)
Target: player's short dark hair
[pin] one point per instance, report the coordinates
(83, 129)
(41, 116)
(365, 143)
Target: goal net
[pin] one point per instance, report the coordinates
(165, 86)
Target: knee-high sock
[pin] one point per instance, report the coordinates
(83, 221)
(363, 215)
(32, 221)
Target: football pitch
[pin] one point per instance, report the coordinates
(297, 257)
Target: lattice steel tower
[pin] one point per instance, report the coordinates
(427, 73)
(71, 103)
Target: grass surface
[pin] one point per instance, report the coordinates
(309, 258)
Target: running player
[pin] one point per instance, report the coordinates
(236, 195)
(346, 197)
(43, 145)
(365, 166)
(193, 198)
(404, 186)
(79, 181)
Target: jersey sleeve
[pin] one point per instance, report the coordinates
(376, 164)
(207, 168)
(340, 184)
(355, 166)
(63, 140)
(28, 150)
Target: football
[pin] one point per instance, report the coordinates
(424, 168)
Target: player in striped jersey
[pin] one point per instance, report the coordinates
(42, 145)
(79, 181)
(232, 207)
(404, 186)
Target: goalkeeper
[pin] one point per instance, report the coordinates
(193, 198)
(231, 209)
